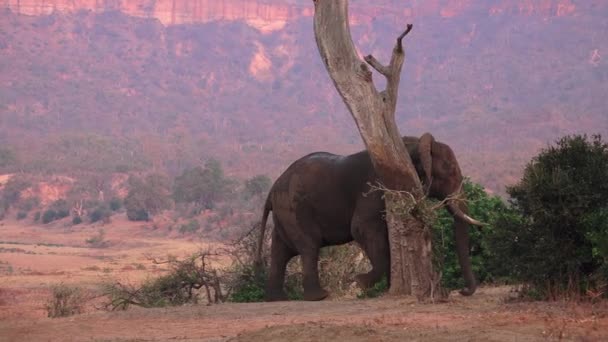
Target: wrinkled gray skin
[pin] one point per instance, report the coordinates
(319, 201)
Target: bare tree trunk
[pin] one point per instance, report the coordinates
(374, 113)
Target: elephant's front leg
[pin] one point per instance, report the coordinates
(369, 231)
(310, 265)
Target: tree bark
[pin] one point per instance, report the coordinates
(374, 113)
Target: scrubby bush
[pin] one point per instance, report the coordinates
(98, 240)
(65, 301)
(560, 245)
(21, 215)
(183, 284)
(37, 216)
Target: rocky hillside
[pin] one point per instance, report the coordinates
(139, 85)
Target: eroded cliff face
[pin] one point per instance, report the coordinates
(270, 15)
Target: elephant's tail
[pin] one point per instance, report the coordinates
(258, 264)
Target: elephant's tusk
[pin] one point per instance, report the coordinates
(468, 219)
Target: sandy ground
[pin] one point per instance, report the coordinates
(34, 258)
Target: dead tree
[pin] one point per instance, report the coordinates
(412, 270)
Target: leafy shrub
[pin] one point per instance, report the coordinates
(65, 301)
(37, 216)
(49, 216)
(115, 204)
(559, 247)
(21, 215)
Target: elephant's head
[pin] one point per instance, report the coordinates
(440, 173)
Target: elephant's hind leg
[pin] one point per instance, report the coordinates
(280, 254)
(310, 266)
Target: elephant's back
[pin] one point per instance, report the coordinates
(308, 172)
(314, 181)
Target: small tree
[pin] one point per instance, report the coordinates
(11, 192)
(7, 157)
(560, 246)
(257, 185)
(412, 270)
(147, 197)
(202, 186)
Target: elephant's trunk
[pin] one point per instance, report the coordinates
(461, 233)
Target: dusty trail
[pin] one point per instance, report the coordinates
(482, 317)
(34, 258)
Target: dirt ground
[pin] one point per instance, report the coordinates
(34, 258)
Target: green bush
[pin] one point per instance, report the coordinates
(37, 216)
(249, 286)
(21, 215)
(49, 216)
(560, 246)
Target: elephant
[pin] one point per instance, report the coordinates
(323, 199)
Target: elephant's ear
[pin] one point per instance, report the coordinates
(426, 159)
